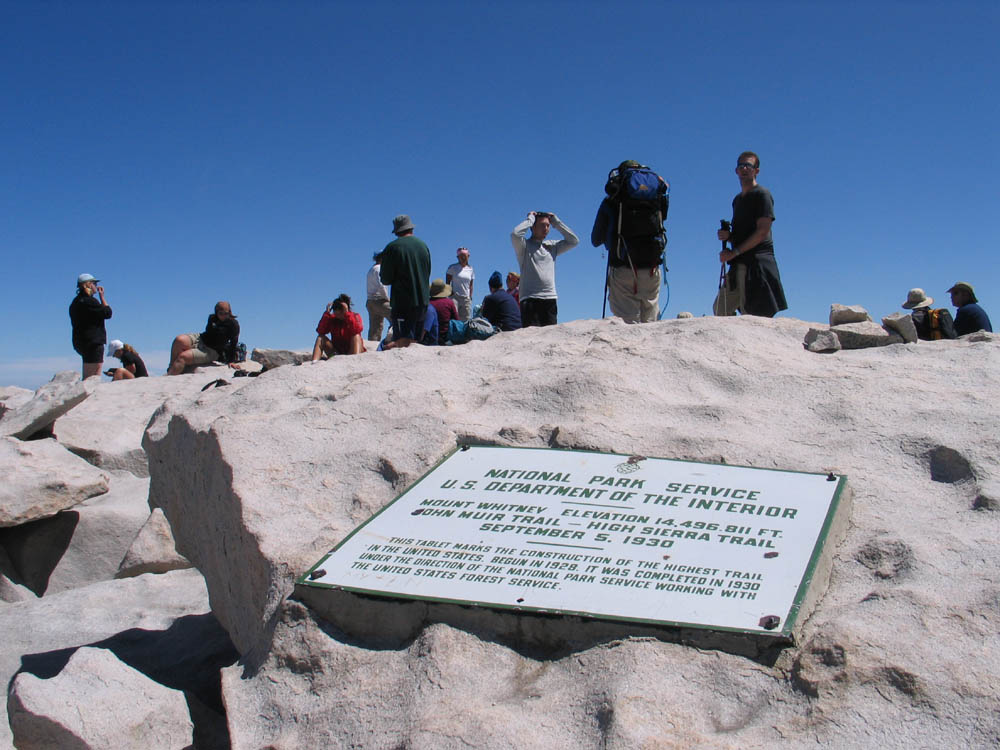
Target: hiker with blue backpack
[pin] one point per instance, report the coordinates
(629, 224)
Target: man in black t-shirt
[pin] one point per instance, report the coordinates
(752, 284)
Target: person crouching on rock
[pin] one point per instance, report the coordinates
(217, 344)
(343, 326)
(132, 364)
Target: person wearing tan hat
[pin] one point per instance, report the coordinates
(916, 298)
(969, 317)
(931, 325)
(444, 305)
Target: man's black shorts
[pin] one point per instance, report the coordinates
(538, 312)
(91, 353)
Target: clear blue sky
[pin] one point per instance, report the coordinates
(186, 152)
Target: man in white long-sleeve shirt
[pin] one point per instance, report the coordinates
(378, 300)
(537, 258)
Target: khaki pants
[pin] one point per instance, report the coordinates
(732, 295)
(634, 296)
(378, 312)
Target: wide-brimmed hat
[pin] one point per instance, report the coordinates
(965, 287)
(85, 277)
(401, 224)
(113, 346)
(917, 298)
(440, 289)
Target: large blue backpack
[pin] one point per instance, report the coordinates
(638, 195)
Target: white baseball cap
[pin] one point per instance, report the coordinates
(113, 346)
(83, 277)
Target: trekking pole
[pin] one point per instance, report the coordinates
(723, 287)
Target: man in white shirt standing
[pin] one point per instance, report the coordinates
(461, 277)
(378, 300)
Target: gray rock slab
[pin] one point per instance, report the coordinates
(11, 397)
(107, 428)
(97, 702)
(153, 550)
(260, 483)
(93, 614)
(863, 335)
(43, 478)
(50, 402)
(821, 340)
(901, 323)
(840, 314)
(271, 358)
(100, 531)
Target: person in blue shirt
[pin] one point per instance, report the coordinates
(499, 306)
(969, 317)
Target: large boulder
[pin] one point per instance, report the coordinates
(864, 335)
(259, 483)
(80, 546)
(271, 358)
(901, 323)
(840, 314)
(821, 340)
(107, 428)
(135, 617)
(153, 550)
(97, 702)
(42, 478)
(50, 402)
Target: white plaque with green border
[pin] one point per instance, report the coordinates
(648, 540)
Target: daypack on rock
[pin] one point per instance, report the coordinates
(933, 325)
(640, 199)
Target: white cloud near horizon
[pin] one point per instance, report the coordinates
(34, 372)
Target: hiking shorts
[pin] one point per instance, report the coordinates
(203, 355)
(92, 353)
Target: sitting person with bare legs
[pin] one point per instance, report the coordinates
(343, 326)
(132, 364)
(217, 344)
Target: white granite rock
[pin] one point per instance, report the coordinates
(43, 478)
(153, 549)
(259, 483)
(901, 323)
(97, 702)
(91, 615)
(840, 314)
(271, 358)
(11, 397)
(821, 340)
(104, 530)
(50, 402)
(864, 335)
(107, 428)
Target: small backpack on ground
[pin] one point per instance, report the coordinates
(638, 195)
(934, 325)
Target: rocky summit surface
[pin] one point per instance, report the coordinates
(259, 478)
